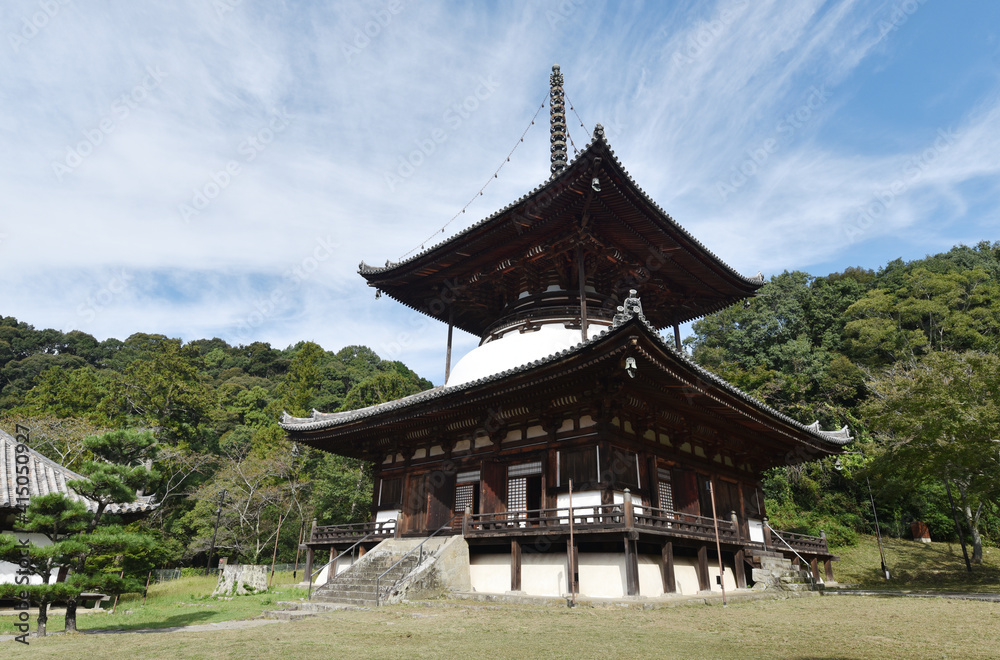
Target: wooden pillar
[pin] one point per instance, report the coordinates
(361, 551)
(447, 360)
(704, 582)
(767, 535)
(582, 276)
(309, 563)
(828, 565)
(677, 336)
(631, 569)
(814, 567)
(739, 567)
(669, 577)
(515, 565)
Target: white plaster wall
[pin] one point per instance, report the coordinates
(8, 571)
(544, 574)
(650, 575)
(583, 504)
(344, 563)
(381, 516)
(490, 573)
(686, 575)
(602, 574)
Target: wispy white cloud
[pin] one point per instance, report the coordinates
(688, 92)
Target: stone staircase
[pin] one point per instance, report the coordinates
(356, 585)
(773, 571)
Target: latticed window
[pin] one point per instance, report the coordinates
(465, 496)
(517, 494)
(665, 489)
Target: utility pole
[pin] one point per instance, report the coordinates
(218, 517)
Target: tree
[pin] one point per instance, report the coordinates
(939, 418)
(60, 519)
(121, 467)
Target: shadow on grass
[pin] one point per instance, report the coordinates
(175, 621)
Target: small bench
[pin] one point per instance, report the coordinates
(97, 598)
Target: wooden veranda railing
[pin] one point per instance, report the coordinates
(589, 519)
(340, 533)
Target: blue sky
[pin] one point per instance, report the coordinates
(220, 167)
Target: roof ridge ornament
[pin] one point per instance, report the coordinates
(630, 308)
(557, 121)
(598, 132)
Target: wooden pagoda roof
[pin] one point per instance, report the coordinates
(591, 208)
(667, 382)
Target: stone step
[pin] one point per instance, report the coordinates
(309, 606)
(286, 615)
(346, 599)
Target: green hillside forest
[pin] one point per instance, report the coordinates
(907, 356)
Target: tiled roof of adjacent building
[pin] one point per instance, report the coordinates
(46, 476)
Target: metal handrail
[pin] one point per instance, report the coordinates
(420, 560)
(334, 560)
(775, 532)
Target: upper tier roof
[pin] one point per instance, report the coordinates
(627, 241)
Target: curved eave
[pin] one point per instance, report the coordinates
(824, 441)
(731, 286)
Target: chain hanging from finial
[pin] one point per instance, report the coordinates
(557, 114)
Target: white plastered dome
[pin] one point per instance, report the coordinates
(516, 348)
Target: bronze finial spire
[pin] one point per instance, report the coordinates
(557, 115)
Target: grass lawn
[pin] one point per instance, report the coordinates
(912, 565)
(828, 627)
(181, 602)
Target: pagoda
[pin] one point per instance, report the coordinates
(575, 449)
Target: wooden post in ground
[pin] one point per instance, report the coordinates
(828, 565)
(515, 565)
(814, 567)
(298, 549)
(274, 556)
(571, 549)
(669, 577)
